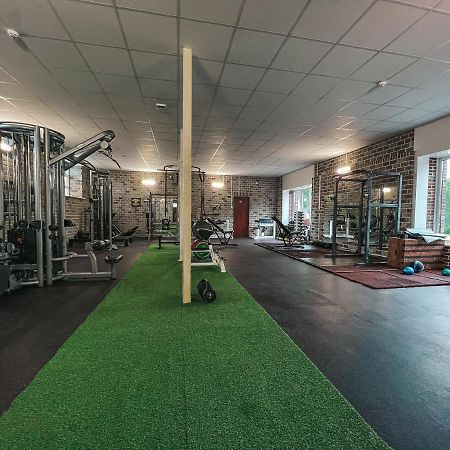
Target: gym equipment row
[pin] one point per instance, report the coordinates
(33, 243)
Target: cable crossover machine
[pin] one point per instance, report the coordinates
(33, 242)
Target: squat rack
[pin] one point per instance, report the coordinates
(365, 179)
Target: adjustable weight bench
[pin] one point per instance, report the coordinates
(224, 236)
(290, 238)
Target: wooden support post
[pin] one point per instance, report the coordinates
(186, 158)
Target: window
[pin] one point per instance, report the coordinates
(442, 209)
(300, 200)
(73, 180)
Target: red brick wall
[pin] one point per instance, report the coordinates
(75, 207)
(264, 194)
(447, 256)
(393, 154)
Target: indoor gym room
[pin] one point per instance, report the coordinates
(225, 224)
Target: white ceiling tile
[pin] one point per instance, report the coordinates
(54, 53)
(89, 22)
(342, 61)
(107, 59)
(328, 21)
(160, 89)
(239, 76)
(76, 80)
(157, 6)
(381, 24)
(206, 72)
(155, 65)
(226, 111)
(266, 99)
(441, 83)
(426, 3)
(412, 98)
(428, 33)
(383, 94)
(33, 106)
(211, 10)
(94, 99)
(79, 121)
(249, 125)
(409, 115)
(383, 112)
(271, 15)
(106, 113)
(149, 32)
(200, 108)
(31, 18)
(16, 116)
(300, 55)
(5, 77)
(356, 109)
(328, 106)
(202, 93)
(126, 102)
(259, 114)
(350, 90)
(444, 5)
(14, 90)
(440, 102)
(118, 84)
(6, 105)
(316, 85)
(232, 96)
(381, 67)
(442, 52)
(279, 81)
(48, 119)
(254, 47)
(419, 72)
(14, 55)
(207, 41)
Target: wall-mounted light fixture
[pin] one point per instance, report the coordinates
(148, 182)
(5, 146)
(343, 170)
(217, 184)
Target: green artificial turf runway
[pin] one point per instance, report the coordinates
(146, 372)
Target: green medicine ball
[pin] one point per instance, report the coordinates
(446, 271)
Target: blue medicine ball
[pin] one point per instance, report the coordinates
(408, 270)
(417, 266)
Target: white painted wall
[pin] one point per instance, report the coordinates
(299, 178)
(431, 140)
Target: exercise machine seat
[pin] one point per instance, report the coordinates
(113, 259)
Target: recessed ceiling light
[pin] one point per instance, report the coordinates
(382, 84)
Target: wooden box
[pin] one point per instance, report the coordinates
(404, 251)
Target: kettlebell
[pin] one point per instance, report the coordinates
(206, 291)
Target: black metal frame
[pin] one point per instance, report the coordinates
(366, 178)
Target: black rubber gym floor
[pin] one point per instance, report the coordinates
(34, 322)
(387, 351)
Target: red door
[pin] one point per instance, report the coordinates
(240, 216)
